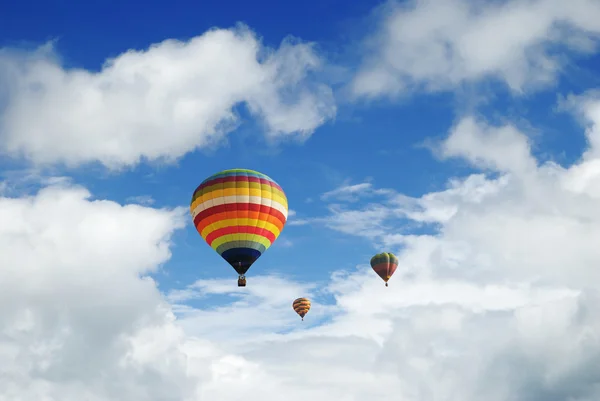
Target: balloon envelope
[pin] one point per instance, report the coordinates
(385, 265)
(239, 213)
(301, 306)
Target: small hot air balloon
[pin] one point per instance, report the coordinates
(239, 213)
(385, 265)
(301, 306)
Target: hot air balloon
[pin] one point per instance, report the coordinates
(301, 306)
(385, 265)
(239, 213)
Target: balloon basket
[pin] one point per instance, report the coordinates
(241, 282)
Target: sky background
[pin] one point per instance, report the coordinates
(464, 136)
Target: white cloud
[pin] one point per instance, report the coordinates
(496, 303)
(297, 222)
(527, 224)
(73, 305)
(441, 44)
(436, 342)
(353, 192)
(587, 108)
(364, 223)
(584, 177)
(349, 191)
(293, 220)
(159, 103)
(501, 149)
(76, 319)
(255, 313)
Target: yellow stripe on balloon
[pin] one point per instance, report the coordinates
(239, 222)
(236, 237)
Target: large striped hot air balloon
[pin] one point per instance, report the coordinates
(239, 213)
(301, 306)
(385, 265)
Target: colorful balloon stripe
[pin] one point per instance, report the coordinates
(239, 213)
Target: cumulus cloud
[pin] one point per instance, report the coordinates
(512, 226)
(442, 44)
(159, 103)
(75, 315)
(496, 304)
(497, 299)
(583, 178)
(500, 149)
(427, 340)
(242, 319)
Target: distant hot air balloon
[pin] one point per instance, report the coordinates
(385, 265)
(239, 213)
(301, 306)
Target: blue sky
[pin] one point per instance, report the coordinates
(462, 136)
(338, 155)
